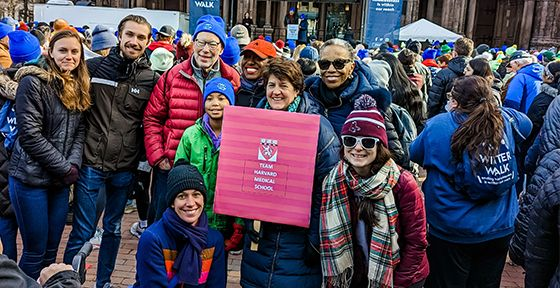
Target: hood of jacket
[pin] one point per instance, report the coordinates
(458, 64)
(37, 68)
(8, 87)
(534, 70)
(363, 82)
(158, 44)
(549, 89)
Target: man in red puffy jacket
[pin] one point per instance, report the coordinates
(176, 103)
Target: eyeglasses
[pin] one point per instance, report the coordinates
(366, 142)
(213, 45)
(337, 63)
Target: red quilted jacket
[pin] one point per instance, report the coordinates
(411, 228)
(167, 117)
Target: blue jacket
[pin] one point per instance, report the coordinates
(336, 110)
(524, 87)
(157, 251)
(455, 216)
(283, 258)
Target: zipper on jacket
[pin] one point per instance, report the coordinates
(204, 159)
(274, 259)
(66, 135)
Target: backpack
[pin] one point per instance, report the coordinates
(405, 128)
(8, 127)
(494, 176)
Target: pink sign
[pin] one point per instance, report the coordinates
(266, 165)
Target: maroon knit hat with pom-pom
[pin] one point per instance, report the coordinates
(366, 120)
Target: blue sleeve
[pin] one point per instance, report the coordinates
(417, 148)
(515, 93)
(522, 123)
(150, 265)
(218, 272)
(532, 157)
(327, 157)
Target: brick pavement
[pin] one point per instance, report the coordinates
(126, 264)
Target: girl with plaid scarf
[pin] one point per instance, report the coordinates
(373, 221)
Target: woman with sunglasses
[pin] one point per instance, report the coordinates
(288, 256)
(373, 222)
(471, 199)
(342, 80)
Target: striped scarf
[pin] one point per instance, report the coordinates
(336, 226)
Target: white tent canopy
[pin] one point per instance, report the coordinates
(424, 29)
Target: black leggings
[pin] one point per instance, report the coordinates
(142, 193)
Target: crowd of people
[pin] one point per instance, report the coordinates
(94, 115)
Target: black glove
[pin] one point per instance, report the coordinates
(71, 176)
(311, 256)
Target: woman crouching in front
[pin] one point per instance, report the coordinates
(180, 250)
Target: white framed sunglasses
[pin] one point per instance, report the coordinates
(351, 141)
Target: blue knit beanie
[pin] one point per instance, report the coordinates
(24, 46)
(291, 44)
(222, 86)
(154, 33)
(309, 52)
(211, 24)
(231, 51)
(429, 54)
(5, 29)
(102, 38)
(268, 38)
(9, 21)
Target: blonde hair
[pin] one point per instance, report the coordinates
(297, 50)
(74, 93)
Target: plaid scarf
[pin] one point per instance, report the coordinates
(336, 225)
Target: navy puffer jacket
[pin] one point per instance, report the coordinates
(541, 255)
(283, 258)
(363, 82)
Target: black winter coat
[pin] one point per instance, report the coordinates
(442, 84)
(120, 90)
(537, 110)
(50, 137)
(541, 256)
(547, 148)
(8, 89)
(250, 97)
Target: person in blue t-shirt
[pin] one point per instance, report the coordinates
(471, 200)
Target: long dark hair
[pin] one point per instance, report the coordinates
(405, 93)
(482, 131)
(481, 67)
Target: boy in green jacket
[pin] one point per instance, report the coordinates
(200, 147)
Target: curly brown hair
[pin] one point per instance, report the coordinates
(285, 70)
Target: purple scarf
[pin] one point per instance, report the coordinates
(188, 264)
(216, 140)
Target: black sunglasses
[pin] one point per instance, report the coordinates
(366, 142)
(337, 63)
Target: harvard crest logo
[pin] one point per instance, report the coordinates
(268, 150)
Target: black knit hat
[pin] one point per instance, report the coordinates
(182, 177)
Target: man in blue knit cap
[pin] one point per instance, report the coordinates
(5, 60)
(176, 102)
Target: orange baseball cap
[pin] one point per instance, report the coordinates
(262, 48)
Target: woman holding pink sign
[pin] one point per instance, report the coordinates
(288, 256)
(373, 220)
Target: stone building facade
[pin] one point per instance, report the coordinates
(528, 23)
